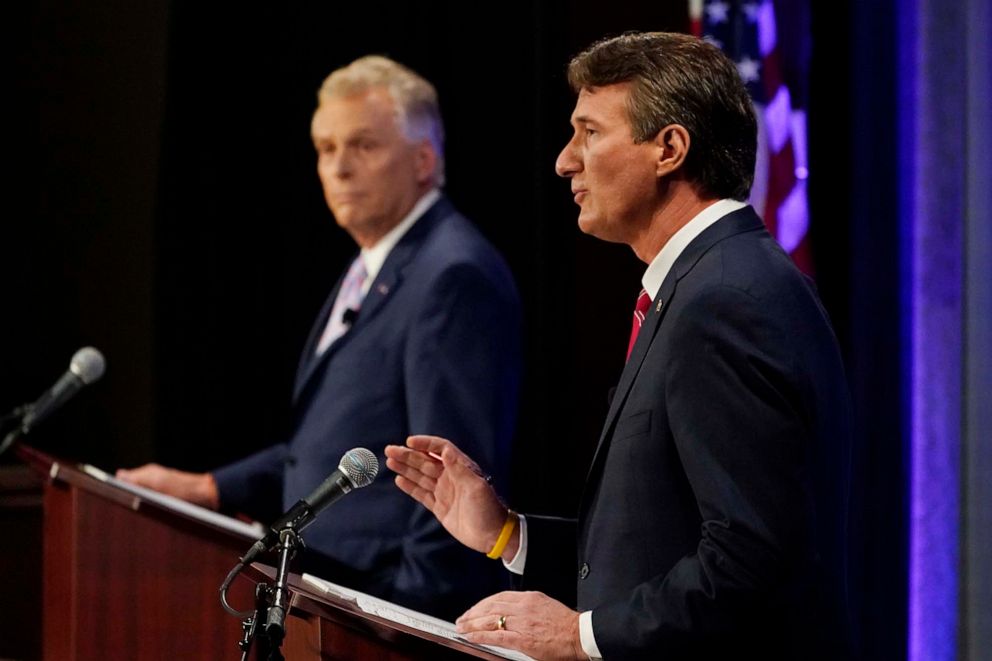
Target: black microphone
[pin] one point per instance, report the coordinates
(357, 469)
(87, 366)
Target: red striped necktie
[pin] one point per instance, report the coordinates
(641, 309)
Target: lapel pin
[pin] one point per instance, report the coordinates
(382, 289)
(657, 308)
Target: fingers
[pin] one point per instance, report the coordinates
(488, 622)
(498, 604)
(423, 496)
(531, 622)
(405, 461)
(142, 475)
(433, 444)
(416, 473)
(429, 455)
(513, 640)
(427, 458)
(481, 623)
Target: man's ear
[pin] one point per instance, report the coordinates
(673, 147)
(424, 161)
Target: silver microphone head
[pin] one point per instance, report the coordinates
(360, 465)
(88, 364)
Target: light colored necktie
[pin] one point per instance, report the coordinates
(349, 298)
(640, 309)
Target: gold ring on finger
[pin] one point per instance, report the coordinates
(501, 623)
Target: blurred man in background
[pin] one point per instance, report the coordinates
(420, 335)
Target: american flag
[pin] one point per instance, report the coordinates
(772, 63)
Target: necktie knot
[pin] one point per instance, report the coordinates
(640, 311)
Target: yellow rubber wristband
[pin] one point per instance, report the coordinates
(504, 535)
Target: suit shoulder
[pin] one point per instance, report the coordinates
(748, 277)
(456, 245)
(754, 263)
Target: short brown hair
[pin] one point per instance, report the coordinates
(679, 79)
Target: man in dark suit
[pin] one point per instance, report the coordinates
(712, 520)
(421, 335)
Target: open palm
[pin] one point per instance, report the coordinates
(450, 484)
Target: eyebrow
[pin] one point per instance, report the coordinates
(583, 120)
(363, 132)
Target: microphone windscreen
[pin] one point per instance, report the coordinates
(360, 466)
(88, 364)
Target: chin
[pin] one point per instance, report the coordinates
(595, 227)
(592, 226)
(346, 218)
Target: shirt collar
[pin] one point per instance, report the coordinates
(659, 267)
(375, 256)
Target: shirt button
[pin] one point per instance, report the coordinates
(584, 571)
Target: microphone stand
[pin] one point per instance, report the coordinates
(250, 624)
(272, 602)
(18, 415)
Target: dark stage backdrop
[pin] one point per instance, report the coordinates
(168, 212)
(164, 207)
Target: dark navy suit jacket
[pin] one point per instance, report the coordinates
(712, 521)
(435, 349)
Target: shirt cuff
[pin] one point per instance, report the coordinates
(516, 565)
(586, 637)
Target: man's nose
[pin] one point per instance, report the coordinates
(341, 164)
(567, 163)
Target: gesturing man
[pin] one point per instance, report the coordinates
(712, 520)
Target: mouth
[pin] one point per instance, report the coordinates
(579, 194)
(344, 198)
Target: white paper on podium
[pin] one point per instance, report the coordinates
(405, 616)
(250, 531)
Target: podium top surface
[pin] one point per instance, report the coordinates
(93, 480)
(325, 599)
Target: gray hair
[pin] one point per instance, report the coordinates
(417, 108)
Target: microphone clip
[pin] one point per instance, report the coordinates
(349, 316)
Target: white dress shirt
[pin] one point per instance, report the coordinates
(375, 256)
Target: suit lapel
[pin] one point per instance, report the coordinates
(644, 337)
(309, 358)
(736, 222)
(386, 282)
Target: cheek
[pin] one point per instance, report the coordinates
(325, 172)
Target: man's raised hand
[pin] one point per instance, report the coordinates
(446, 481)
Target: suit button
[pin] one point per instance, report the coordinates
(584, 571)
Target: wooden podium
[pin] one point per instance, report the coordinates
(320, 627)
(131, 577)
(127, 578)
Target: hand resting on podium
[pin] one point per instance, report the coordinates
(197, 488)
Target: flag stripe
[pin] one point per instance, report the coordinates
(748, 33)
